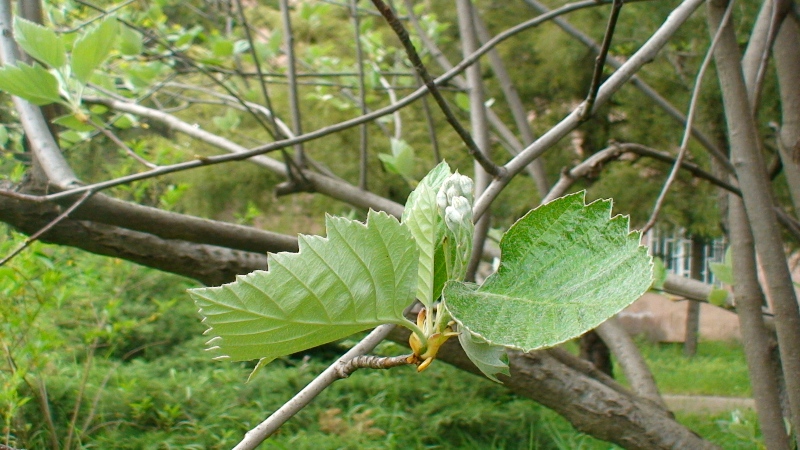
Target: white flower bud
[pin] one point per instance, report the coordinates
(441, 199)
(452, 218)
(463, 206)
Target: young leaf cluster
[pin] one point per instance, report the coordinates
(566, 267)
(55, 76)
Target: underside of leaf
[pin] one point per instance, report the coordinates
(359, 277)
(566, 267)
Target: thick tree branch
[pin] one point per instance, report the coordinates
(211, 265)
(630, 359)
(757, 197)
(587, 399)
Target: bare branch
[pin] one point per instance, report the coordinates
(646, 53)
(600, 61)
(261, 80)
(630, 359)
(673, 112)
(688, 129)
(537, 169)
(334, 372)
(291, 67)
(118, 142)
(47, 227)
(362, 96)
(402, 34)
(758, 204)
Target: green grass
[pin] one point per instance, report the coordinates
(718, 368)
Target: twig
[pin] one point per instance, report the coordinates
(637, 82)
(391, 18)
(121, 144)
(688, 129)
(437, 157)
(241, 153)
(362, 96)
(645, 54)
(600, 61)
(263, 430)
(188, 61)
(47, 227)
(345, 369)
(291, 69)
(261, 80)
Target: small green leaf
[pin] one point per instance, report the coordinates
(718, 297)
(566, 267)
(73, 123)
(222, 48)
(401, 161)
(3, 136)
(489, 359)
(40, 42)
(659, 274)
(422, 217)
(33, 83)
(462, 100)
(130, 43)
(91, 49)
(723, 271)
(360, 276)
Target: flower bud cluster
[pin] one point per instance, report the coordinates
(454, 200)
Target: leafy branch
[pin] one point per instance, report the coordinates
(566, 267)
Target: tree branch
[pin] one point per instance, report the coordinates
(645, 54)
(473, 148)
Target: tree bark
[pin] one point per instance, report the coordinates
(630, 360)
(594, 350)
(693, 307)
(761, 366)
(787, 66)
(751, 173)
(594, 403)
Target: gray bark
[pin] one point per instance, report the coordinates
(593, 402)
(630, 359)
(693, 308)
(755, 339)
(751, 173)
(787, 66)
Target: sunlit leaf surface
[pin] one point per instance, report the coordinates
(565, 268)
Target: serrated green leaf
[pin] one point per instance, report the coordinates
(359, 277)
(91, 49)
(566, 267)
(491, 360)
(40, 42)
(422, 217)
(33, 83)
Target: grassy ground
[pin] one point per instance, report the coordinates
(149, 385)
